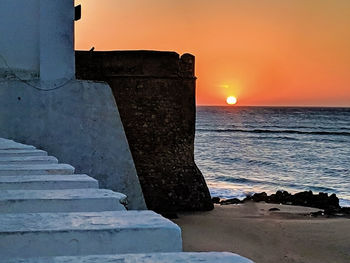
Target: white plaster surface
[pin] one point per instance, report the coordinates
(28, 160)
(19, 41)
(44, 182)
(35, 169)
(57, 58)
(71, 234)
(79, 124)
(72, 200)
(31, 233)
(37, 38)
(205, 257)
(19, 153)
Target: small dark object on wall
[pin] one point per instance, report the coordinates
(77, 14)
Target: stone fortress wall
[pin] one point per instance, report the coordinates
(155, 94)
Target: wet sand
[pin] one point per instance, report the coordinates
(251, 230)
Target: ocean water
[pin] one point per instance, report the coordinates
(243, 150)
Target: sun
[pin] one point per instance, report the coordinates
(231, 100)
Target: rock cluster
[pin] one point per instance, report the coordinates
(307, 198)
(329, 203)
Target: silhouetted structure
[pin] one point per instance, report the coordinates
(155, 94)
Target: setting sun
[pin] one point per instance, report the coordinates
(231, 100)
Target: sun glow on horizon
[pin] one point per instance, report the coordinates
(231, 100)
(283, 53)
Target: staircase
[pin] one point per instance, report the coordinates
(50, 214)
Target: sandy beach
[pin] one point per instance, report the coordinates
(251, 230)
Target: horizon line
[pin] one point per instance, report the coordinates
(272, 106)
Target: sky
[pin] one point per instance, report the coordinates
(264, 52)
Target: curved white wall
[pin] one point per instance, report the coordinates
(19, 35)
(37, 37)
(57, 39)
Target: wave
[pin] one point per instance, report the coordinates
(284, 138)
(288, 127)
(300, 187)
(277, 131)
(261, 162)
(302, 127)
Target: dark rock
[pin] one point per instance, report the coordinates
(281, 197)
(345, 210)
(303, 199)
(274, 209)
(337, 212)
(307, 198)
(247, 198)
(333, 201)
(259, 197)
(321, 200)
(216, 200)
(316, 214)
(233, 201)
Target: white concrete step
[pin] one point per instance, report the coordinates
(9, 144)
(204, 257)
(72, 200)
(36, 169)
(28, 160)
(73, 234)
(18, 153)
(44, 182)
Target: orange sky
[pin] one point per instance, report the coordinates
(264, 52)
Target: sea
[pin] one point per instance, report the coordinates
(245, 150)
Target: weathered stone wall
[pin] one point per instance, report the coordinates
(155, 94)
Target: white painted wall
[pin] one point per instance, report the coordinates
(57, 39)
(19, 35)
(37, 38)
(79, 124)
